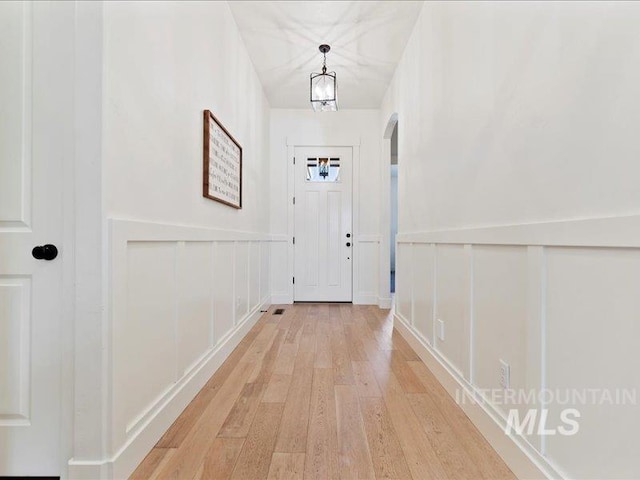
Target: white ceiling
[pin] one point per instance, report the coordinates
(366, 38)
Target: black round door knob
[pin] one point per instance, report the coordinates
(348, 244)
(348, 235)
(45, 252)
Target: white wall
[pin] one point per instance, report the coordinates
(343, 128)
(521, 118)
(513, 106)
(187, 275)
(166, 62)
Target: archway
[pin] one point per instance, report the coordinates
(388, 210)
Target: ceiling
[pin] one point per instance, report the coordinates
(367, 40)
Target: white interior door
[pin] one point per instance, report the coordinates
(323, 228)
(33, 132)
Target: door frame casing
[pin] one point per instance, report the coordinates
(384, 260)
(85, 327)
(354, 144)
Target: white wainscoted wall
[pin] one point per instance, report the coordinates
(185, 277)
(518, 215)
(181, 300)
(350, 128)
(538, 297)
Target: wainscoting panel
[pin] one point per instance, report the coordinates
(141, 346)
(181, 300)
(254, 274)
(424, 290)
(223, 291)
(195, 309)
(404, 287)
(592, 337)
(242, 280)
(452, 297)
(265, 263)
(499, 316)
(558, 302)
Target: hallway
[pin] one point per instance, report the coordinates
(173, 173)
(323, 391)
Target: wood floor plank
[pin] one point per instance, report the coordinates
(488, 462)
(175, 435)
(265, 368)
(241, 416)
(386, 452)
(345, 312)
(356, 349)
(221, 458)
(365, 380)
(322, 441)
(325, 391)
(342, 372)
(286, 359)
(421, 458)
(354, 458)
(401, 344)
(255, 457)
(152, 463)
(454, 458)
(405, 375)
(187, 419)
(295, 330)
(286, 466)
(190, 455)
(292, 436)
(277, 389)
(323, 349)
(260, 346)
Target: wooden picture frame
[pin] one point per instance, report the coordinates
(222, 164)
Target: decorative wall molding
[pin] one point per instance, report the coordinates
(618, 231)
(533, 296)
(180, 299)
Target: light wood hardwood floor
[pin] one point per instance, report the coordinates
(327, 391)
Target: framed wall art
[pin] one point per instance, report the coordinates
(222, 165)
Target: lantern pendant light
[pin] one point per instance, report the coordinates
(324, 87)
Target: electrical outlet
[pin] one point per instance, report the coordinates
(505, 374)
(440, 329)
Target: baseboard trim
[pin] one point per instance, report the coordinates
(365, 299)
(384, 303)
(125, 461)
(517, 453)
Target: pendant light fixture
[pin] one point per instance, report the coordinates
(324, 87)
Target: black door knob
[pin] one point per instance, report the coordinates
(45, 252)
(348, 244)
(348, 235)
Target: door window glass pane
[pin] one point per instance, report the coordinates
(323, 169)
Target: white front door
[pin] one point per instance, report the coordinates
(34, 131)
(323, 230)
